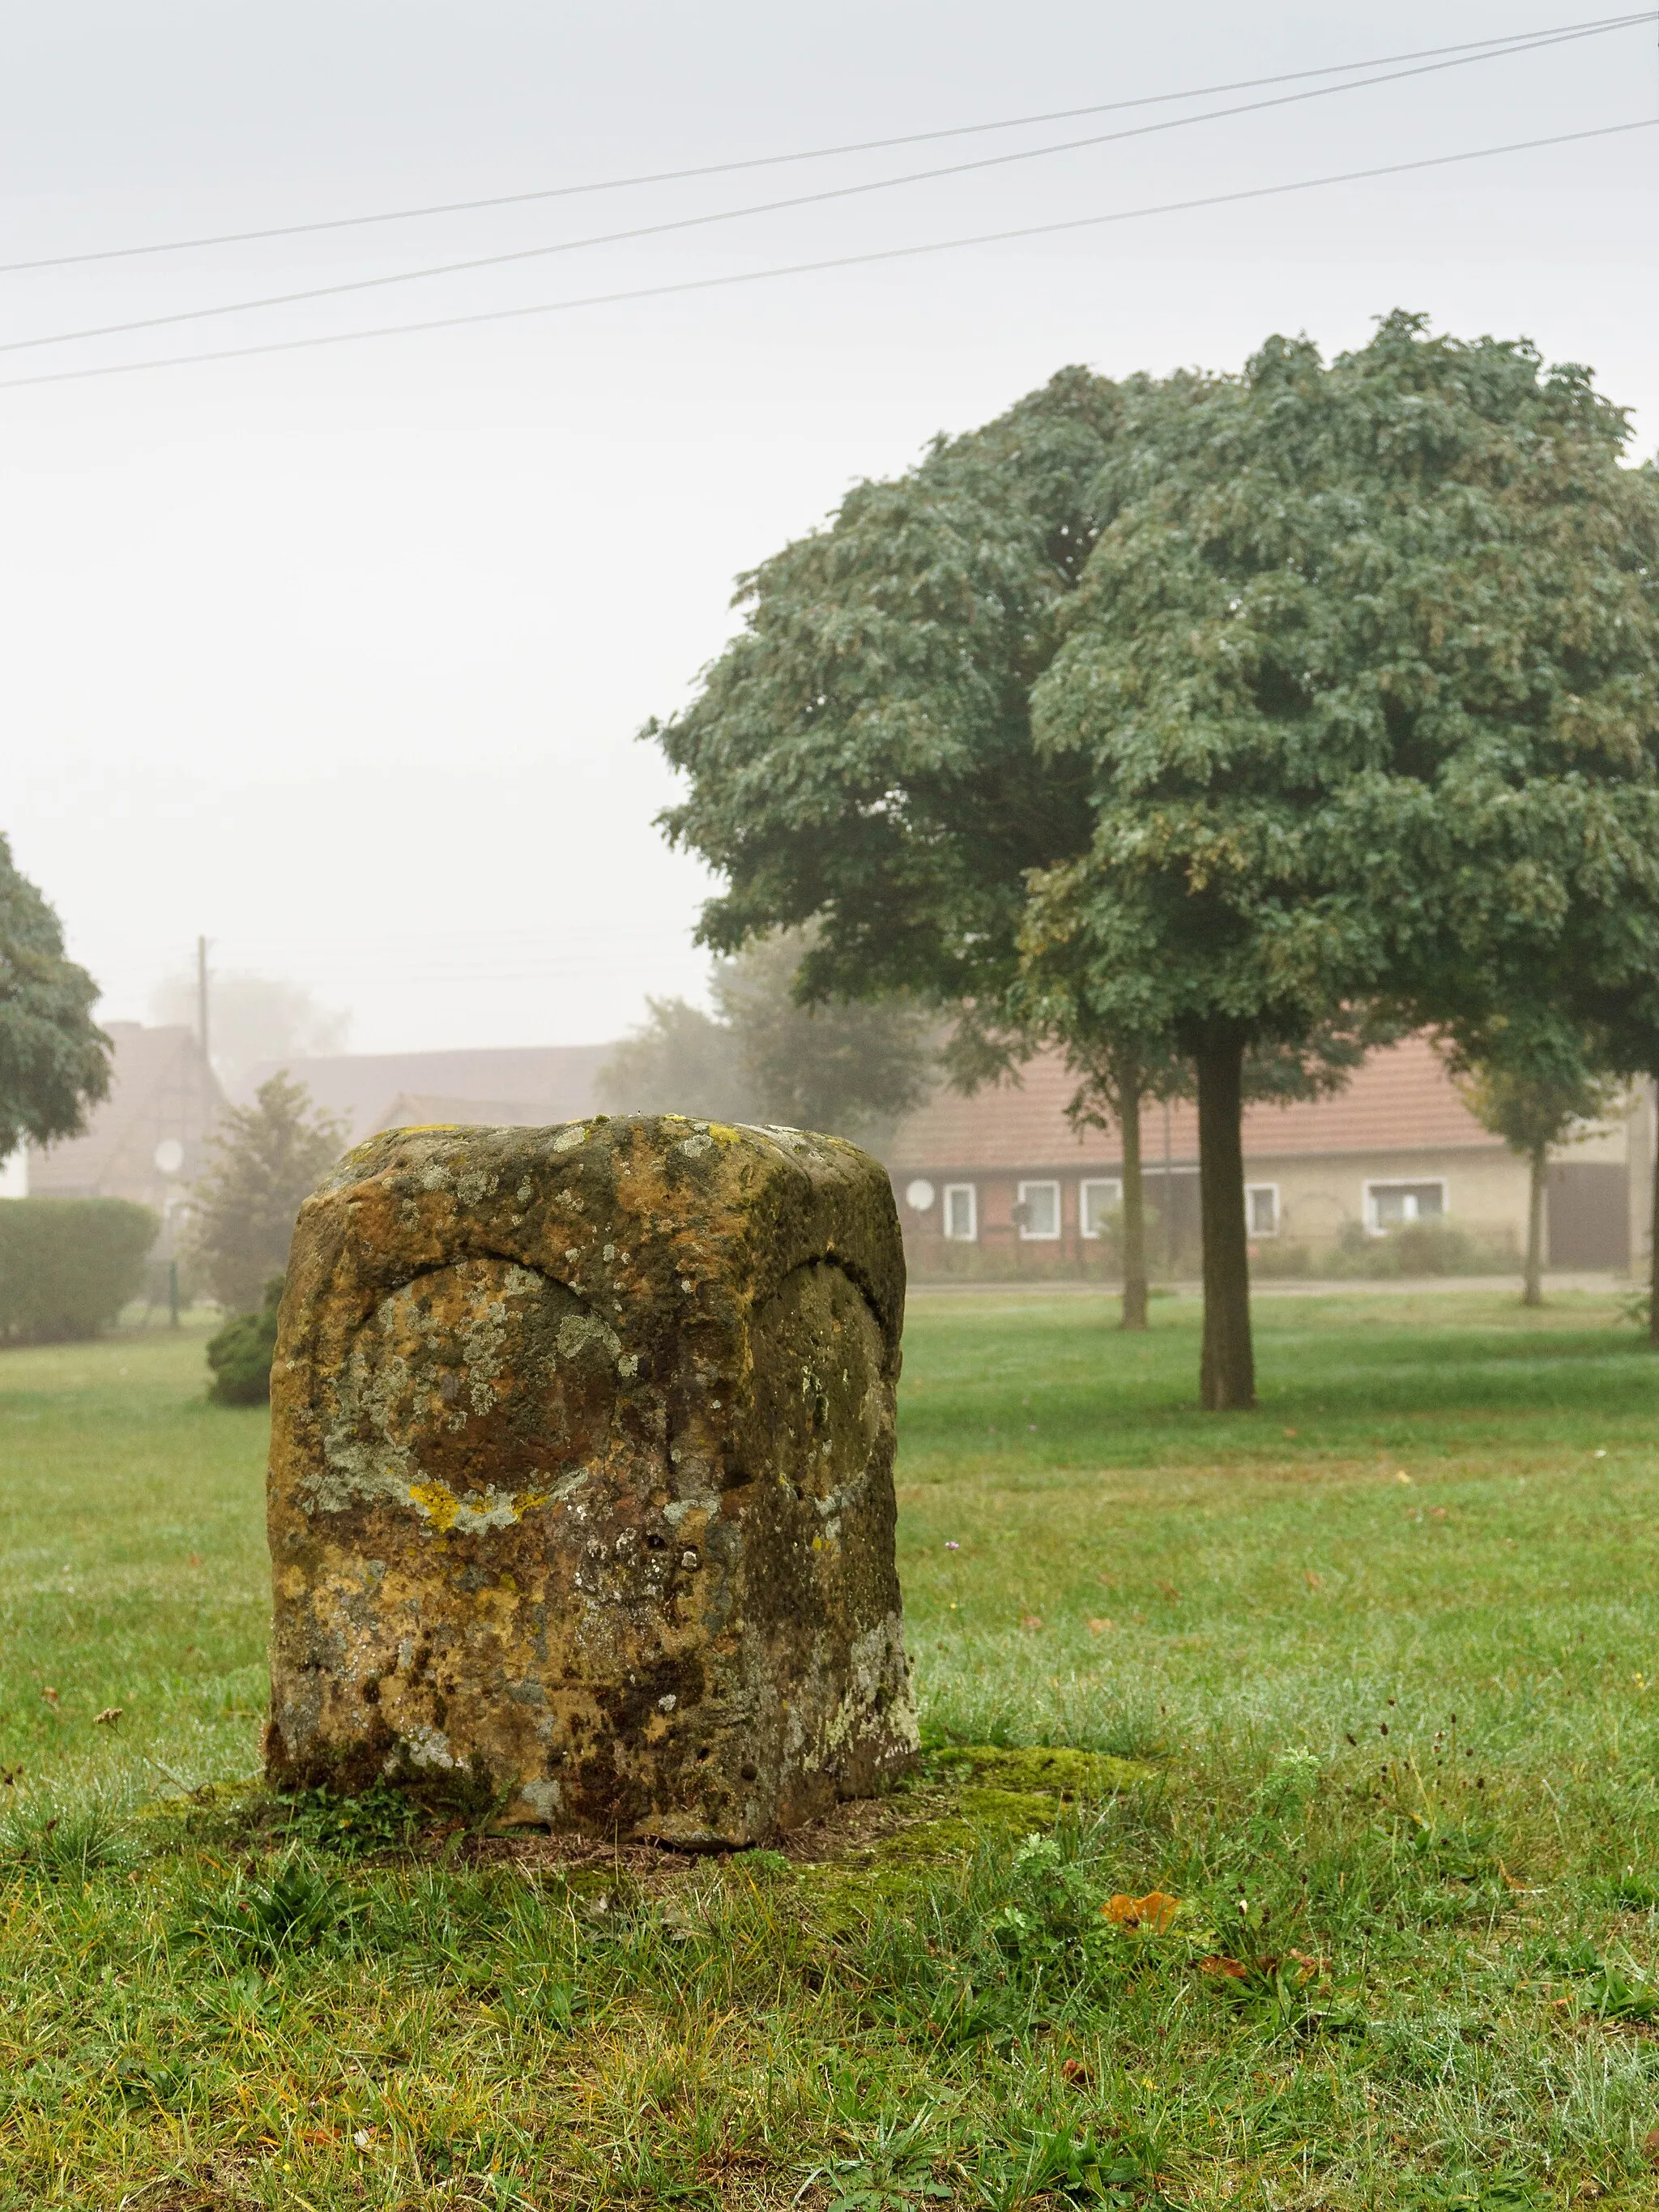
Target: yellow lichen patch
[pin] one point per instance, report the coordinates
(444, 1511)
(438, 1505)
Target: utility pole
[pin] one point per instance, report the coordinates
(204, 1039)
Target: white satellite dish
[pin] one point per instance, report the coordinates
(169, 1156)
(918, 1195)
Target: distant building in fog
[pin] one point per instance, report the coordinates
(146, 1142)
(1000, 1185)
(522, 1087)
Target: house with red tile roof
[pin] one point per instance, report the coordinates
(1000, 1184)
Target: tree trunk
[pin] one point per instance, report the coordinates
(1134, 1212)
(1532, 1293)
(1227, 1372)
(1653, 1253)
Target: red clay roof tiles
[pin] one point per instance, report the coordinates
(1401, 1100)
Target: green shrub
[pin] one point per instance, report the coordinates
(241, 1353)
(1417, 1247)
(69, 1264)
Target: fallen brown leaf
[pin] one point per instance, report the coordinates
(1155, 1911)
(1651, 2145)
(194, 1561)
(1075, 2070)
(1436, 1512)
(1217, 1965)
(1030, 1620)
(51, 1698)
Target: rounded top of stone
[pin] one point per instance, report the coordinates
(624, 1206)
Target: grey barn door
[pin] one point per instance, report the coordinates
(1588, 1203)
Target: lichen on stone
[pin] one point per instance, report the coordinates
(671, 1517)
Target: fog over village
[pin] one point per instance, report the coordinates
(829, 1108)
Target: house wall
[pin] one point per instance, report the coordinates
(1485, 1190)
(1319, 1197)
(147, 1141)
(1401, 1119)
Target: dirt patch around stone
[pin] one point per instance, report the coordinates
(965, 1793)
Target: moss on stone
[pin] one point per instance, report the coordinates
(582, 1478)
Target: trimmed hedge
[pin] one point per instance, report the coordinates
(69, 1264)
(241, 1353)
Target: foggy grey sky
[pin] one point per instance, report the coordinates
(338, 656)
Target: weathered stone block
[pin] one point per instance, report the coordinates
(581, 1475)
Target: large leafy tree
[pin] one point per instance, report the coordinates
(1223, 708)
(1361, 674)
(54, 1060)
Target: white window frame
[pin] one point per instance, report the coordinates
(1375, 1228)
(1114, 1183)
(1030, 1235)
(961, 1190)
(1250, 1190)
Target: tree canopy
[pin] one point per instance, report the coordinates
(1230, 710)
(266, 1160)
(54, 1060)
(861, 756)
(1536, 1094)
(1362, 671)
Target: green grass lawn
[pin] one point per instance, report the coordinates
(1383, 1653)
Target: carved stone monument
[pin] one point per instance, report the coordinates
(582, 1476)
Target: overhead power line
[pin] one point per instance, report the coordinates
(763, 207)
(837, 261)
(1479, 48)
